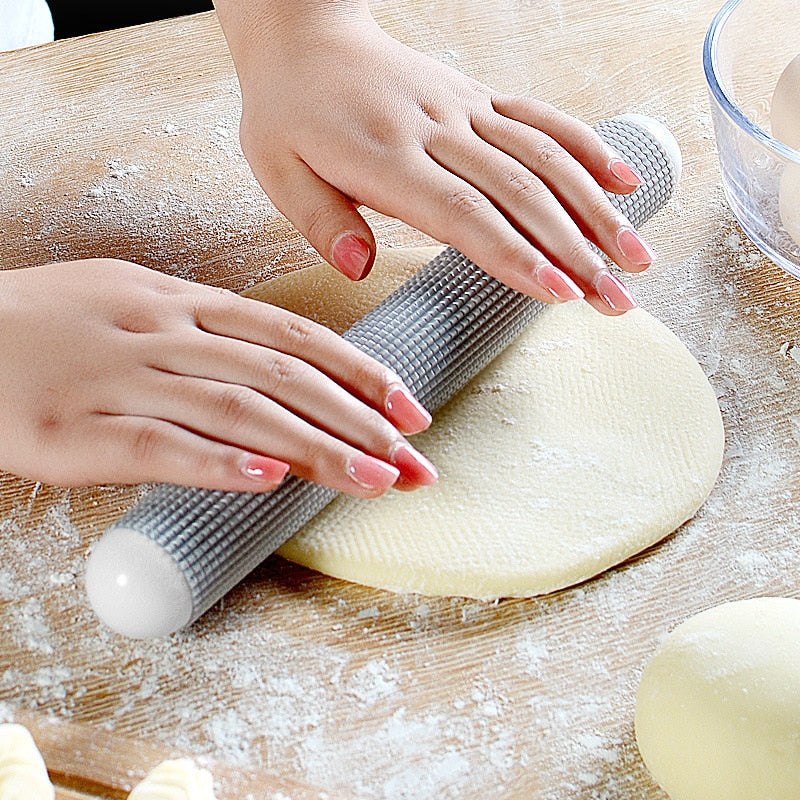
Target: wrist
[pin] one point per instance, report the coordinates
(283, 27)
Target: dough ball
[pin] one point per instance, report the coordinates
(790, 200)
(175, 779)
(785, 106)
(718, 706)
(23, 774)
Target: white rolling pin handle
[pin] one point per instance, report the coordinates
(179, 550)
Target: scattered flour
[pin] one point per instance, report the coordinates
(382, 696)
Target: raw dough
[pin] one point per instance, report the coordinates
(588, 440)
(23, 774)
(175, 779)
(784, 113)
(718, 707)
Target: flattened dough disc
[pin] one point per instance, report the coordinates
(586, 441)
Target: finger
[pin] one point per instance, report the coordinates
(242, 417)
(570, 182)
(607, 167)
(326, 217)
(524, 200)
(246, 320)
(286, 380)
(451, 210)
(152, 450)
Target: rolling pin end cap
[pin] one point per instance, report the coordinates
(135, 587)
(663, 135)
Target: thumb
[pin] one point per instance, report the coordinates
(328, 219)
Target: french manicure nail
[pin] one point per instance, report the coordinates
(406, 412)
(625, 172)
(634, 248)
(264, 470)
(613, 291)
(413, 466)
(351, 254)
(559, 285)
(371, 473)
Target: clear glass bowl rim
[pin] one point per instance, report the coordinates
(726, 104)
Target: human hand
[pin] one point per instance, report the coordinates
(337, 114)
(114, 373)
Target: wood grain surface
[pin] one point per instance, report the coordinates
(296, 685)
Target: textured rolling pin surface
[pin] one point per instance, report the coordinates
(436, 331)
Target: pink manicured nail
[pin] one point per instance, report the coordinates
(371, 473)
(613, 292)
(265, 470)
(557, 284)
(634, 248)
(406, 412)
(351, 255)
(413, 466)
(625, 172)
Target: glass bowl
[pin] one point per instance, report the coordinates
(747, 47)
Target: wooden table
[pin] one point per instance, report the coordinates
(125, 144)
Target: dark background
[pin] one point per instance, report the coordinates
(76, 17)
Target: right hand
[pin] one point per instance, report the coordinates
(114, 373)
(336, 114)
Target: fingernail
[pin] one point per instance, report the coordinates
(625, 172)
(405, 412)
(634, 248)
(371, 473)
(413, 465)
(613, 292)
(264, 470)
(351, 255)
(560, 286)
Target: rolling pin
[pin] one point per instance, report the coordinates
(179, 550)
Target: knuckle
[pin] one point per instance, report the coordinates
(466, 204)
(313, 457)
(319, 226)
(298, 331)
(373, 379)
(49, 421)
(524, 187)
(146, 442)
(518, 251)
(210, 301)
(205, 464)
(577, 252)
(547, 154)
(279, 373)
(599, 207)
(234, 404)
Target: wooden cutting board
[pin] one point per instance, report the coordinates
(297, 685)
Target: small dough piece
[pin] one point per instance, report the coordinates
(23, 774)
(718, 706)
(175, 779)
(784, 113)
(586, 441)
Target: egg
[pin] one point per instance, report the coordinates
(785, 123)
(785, 108)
